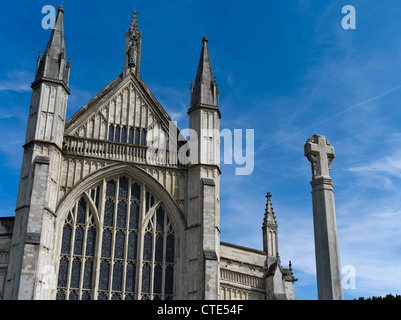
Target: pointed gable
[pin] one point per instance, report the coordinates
(121, 111)
(125, 119)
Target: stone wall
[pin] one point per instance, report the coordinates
(242, 273)
(6, 229)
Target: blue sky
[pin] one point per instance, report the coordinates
(286, 69)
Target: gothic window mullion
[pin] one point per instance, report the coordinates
(107, 250)
(71, 254)
(113, 238)
(127, 233)
(83, 253)
(164, 256)
(99, 240)
(141, 234)
(88, 226)
(152, 265)
(170, 260)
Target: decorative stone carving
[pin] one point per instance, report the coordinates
(133, 43)
(320, 154)
(133, 54)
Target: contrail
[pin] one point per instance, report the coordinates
(332, 117)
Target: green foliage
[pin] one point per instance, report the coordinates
(387, 297)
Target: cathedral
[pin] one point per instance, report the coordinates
(102, 215)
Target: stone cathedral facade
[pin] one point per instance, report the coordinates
(97, 218)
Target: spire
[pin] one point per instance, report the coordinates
(53, 65)
(270, 239)
(133, 46)
(205, 90)
(133, 31)
(38, 61)
(270, 218)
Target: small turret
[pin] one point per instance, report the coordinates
(53, 65)
(32, 249)
(270, 243)
(50, 89)
(205, 92)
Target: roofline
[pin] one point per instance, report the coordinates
(243, 248)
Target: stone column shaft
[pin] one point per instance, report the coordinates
(328, 268)
(327, 253)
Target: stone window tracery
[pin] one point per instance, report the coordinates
(130, 135)
(117, 243)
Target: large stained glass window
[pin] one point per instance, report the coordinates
(77, 254)
(117, 244)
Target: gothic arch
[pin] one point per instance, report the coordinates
(158, 189)
(160, 229)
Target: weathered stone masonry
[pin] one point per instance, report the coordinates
(98, 218)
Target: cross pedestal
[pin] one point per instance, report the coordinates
(321, 154)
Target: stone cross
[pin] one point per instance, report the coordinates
(320, 153)
(328, 269)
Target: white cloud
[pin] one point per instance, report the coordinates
(368, 239)
(390, 166)
(370, 242)
(17, 80)
(174, 100)
(5, 115)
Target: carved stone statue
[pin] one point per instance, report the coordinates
(133, 54)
